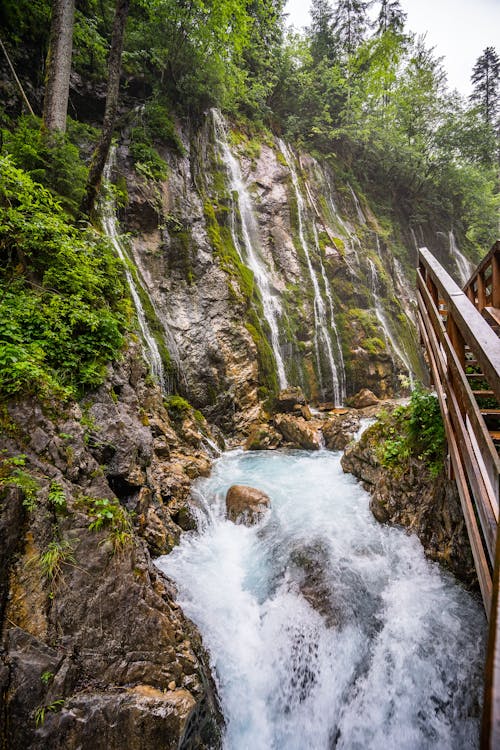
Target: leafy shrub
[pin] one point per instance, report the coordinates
(51, 160)
(62, 313)
(13, 475)
(415, 430)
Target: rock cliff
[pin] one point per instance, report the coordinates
(94, 647)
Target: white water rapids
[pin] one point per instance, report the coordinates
(326, 629)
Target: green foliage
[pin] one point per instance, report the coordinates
(53, 707)
(109, 514)
(412, 431)
(47, 677)
(13, 475)
(62, 313)
(51, 160)
(177, 407)
(148, 161)
(56, 497)
(57, 554)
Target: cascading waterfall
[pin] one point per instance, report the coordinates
(249, 253)
(464, 266)
(110, 226)
(382, 319)
(321, 333)
(357, 204)
(326, 629)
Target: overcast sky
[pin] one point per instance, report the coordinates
(458, 29)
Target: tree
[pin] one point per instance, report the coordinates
(322, 35)
(55, 104)
(391, 17)
(114, 72)
(350, 23)
(486, 79)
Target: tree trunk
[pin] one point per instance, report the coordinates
(55, 104)
(114, 71)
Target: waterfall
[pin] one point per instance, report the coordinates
(110, 226)
(321, 333)
(249, 253)
(382, 319)
(464, 266)
(359, 210)
(324, 628)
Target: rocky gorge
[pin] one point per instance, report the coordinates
(95, 646)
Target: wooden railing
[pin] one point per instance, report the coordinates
(483, 288)
(462, 350)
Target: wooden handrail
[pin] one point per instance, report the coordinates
(483, 287)
(451, 323)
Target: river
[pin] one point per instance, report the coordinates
(326, 629)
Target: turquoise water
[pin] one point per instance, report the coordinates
(324, 628)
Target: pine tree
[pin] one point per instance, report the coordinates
(350, 23)
(58, 66)
(391, 17)
(323, 40)
(486, 82)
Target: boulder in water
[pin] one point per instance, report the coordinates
(246, 505)
(364, 398)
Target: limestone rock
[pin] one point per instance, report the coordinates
(339, 430)
(363, 398)
(263, 437)
(289, 398)
(246, 504)
(298, 432)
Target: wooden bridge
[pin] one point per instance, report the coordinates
(460, 331)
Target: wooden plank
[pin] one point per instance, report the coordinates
(490, 727)
(492, 315)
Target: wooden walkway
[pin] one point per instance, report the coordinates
(460, 330)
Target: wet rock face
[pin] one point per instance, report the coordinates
(95, 649)
(246, 505)
(426, 506)
(363, 398)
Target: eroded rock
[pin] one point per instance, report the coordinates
(246, 505)
(298, 432)
(363, 398)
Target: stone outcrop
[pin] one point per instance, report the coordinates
(290, 400)
(339, 429)
(94, 647)
(428, 507)
(363, 398)
(298, 432)
(246, 505)
(263, 436)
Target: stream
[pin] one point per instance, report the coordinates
(326, 629)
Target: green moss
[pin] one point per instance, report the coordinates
(177, 406)
(267, 366)
(373, 345)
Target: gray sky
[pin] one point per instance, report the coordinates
(458, 29)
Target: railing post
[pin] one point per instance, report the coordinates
(495, 278)
(481, 292)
